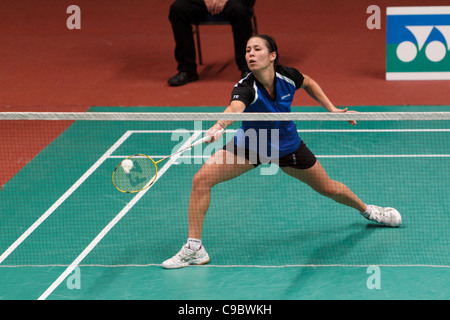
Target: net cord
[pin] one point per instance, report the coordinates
(188, 116)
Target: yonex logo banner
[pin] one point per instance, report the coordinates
(418, 43)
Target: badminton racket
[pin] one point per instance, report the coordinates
(139, 171)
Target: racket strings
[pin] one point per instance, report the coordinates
(140, 176)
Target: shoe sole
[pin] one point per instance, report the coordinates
(184, 266)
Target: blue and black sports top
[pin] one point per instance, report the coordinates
(256, 99)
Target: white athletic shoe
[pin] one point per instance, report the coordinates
(387, 216)
(186, 257)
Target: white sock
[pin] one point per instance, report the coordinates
(368, 211)
(194, 244)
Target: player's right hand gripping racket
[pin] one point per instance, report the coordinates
(139, 171)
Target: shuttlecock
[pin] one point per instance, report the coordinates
(127, 165)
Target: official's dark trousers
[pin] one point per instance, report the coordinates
(184, 12)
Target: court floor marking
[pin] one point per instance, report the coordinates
(112, 223)
(320, 156)
(315, 131)
(304, 130)
(131, 265)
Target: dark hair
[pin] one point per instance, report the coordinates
(271, 44)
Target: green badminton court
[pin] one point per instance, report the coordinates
(66, 233)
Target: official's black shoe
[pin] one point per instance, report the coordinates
(183, 78)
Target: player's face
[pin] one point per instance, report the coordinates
(257, 54)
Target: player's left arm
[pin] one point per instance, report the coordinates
(316, 92)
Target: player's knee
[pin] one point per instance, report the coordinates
(201, 181)
(239, 13)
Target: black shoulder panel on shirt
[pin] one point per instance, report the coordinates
(244, 90)
(292, 74)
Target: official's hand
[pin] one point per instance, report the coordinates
(215, 6)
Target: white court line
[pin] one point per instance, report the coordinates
(131, 265)
(113, 222)
(385, 156)
(326, 156)
(67, 194)
(308, 130)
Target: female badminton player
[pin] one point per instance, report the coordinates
(269, 87)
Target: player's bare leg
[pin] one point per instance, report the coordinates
(221, 167)
(317, 178)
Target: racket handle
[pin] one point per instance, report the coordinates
(204, 139)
